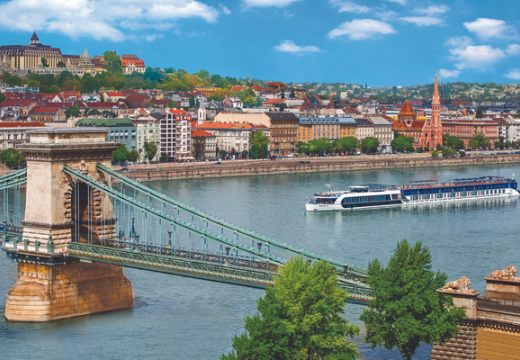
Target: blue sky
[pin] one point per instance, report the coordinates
(379, 42)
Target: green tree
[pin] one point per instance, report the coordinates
(462, 153)
(455, 143)
(478, 114)
(299, 318)
(435, 153)
(258, 143)
(54, 89)
(164, 157)
(402, 143)
(120, 154)
(447, 152)
(112, 62)
(60, 64)
(349, 143)
(12, 158)
(191, 101)
(222, 153)
(172, 104)
(500, 143)
(150, 149)
(369, 145)
(406, 308)
(74, 110)
(133, 155)
(2, 97)
(149, 104)
(479, 141)
(44, 62)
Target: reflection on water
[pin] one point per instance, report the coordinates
(184, 318)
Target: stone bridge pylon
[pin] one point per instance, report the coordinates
(59, 209)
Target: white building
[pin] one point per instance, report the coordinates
(383, 132)
(148, 130)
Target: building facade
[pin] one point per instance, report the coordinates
(311, 128)
(383, 132)
(176, 135)
(147, 130)
(365, 128)
(14, 133)
(121, 130)
(283, 133)
(203, 145)
(232, 137)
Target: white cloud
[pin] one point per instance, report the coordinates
(513, 49)
(513, 74)
(290, 46)
(480, 57)
(444, 74)
(490, 28)
(101, 19)
(427, 16)
(224, 9)
(422, 20)
(349, 6)
(265, 3)
(433, 10)
(361, 29)
(459, 41)
(402, 2)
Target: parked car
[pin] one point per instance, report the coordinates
(159, 168)
(218, 163)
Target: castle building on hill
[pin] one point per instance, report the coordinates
(44, 59)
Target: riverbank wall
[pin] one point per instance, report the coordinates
(302, 165)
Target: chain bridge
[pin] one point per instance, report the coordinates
(99, 220)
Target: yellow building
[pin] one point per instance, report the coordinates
(311, 128)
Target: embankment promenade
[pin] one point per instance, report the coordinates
(301, 165)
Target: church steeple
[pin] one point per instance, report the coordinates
(436, 88)
(34, 39)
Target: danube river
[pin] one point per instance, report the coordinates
(182, 318)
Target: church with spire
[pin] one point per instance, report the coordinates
(426, 133)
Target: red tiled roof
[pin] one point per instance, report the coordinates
(178, 112)
(126, 62)
(114, 93)
(50, 110)
(136, 97)
(407, 109)
(225, 126)
(274, 101)
(16, 103)
(256, 87)
(103, 105)
(201, 133)
(238, 88)
(9, 124)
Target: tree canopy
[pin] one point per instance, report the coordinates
(258, 144)
(479, 114)
(406, 308)
(150, 149)
(369, 145)
(112, 62)
(479, 141)
(12, 158)
(299, 318)
(403, 143)
(120, 154)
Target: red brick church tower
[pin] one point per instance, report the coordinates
(432, 130)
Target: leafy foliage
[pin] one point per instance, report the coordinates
(369, 145)
(74, 110)
(44, 62)
(258, 142)
(402, 143)
(12, 157)
(150, 149)
(479, 141)
(299, 318)
(435, 153)
(479, 114)
(406, 309)
(112, 62)
(120, 154)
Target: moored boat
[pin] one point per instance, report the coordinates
(418, 192)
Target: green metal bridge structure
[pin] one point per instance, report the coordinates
(129, 224)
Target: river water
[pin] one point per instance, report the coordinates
(182, 318)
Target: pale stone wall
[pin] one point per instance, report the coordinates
(256, 119)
